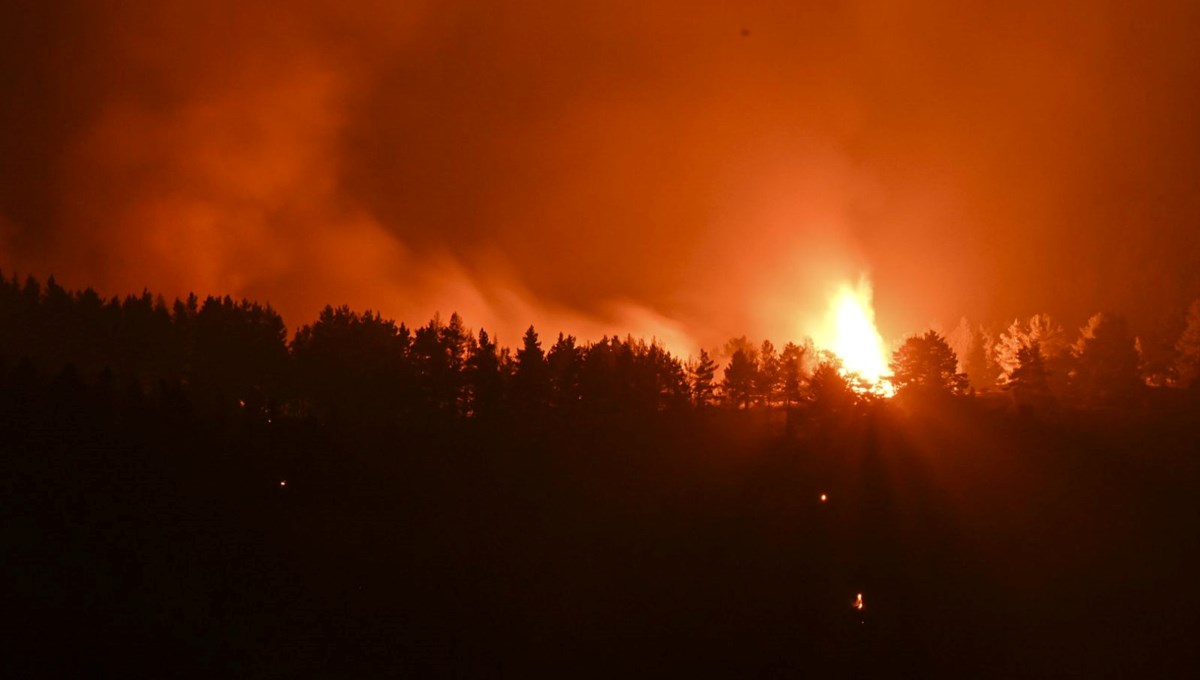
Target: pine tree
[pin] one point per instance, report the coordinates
(791, 373)
(1040, 328)
(926, 364)
(484, 377)
(978, 362)
(565, 363)
(829, 389)
(531, 379)
(701, 377)
(767, 376)
(1028, 382)
(1107, 367)
(738, 385)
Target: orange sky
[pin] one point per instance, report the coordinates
(689, 172)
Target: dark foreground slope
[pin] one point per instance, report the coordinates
(149, 535)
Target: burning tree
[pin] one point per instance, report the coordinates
(1046, 332)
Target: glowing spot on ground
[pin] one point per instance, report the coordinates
(824, 498)
(283, 482)
(858, 603)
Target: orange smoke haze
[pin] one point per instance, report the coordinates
(688, 173)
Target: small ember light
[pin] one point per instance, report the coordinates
(858, 602)
(283, 482)
(824, 498)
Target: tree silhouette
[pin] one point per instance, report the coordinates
(1028, 381)
(740, 377)
(925, 364)
(531, 381)
(598, 384)
(354, 366)
(670, 381)
(224, 353)
(702, 373)
(829, 389)
(458, 344)
(636, 377)
(485, 377)
(564, 362)
(1107, 367)
(440, 352)
(791, 373)
(240, 348)
(768, 375)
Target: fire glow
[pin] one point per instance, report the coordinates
(850, 333)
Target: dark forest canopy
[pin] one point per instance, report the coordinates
(185, 486)
(356, 365)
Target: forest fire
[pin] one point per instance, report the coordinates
(850, 334)
(563, 315)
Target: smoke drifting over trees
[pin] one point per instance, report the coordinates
(348, 364)
(593, 167)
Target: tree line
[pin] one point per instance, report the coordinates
(361, 366)
(1103, 365)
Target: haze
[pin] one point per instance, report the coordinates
(691, 173)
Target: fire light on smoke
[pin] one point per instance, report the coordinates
(851, 333)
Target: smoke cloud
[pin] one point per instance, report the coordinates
(672, 171)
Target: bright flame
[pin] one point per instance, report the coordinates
(824, 498)
(855, 340)
(858, 603)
